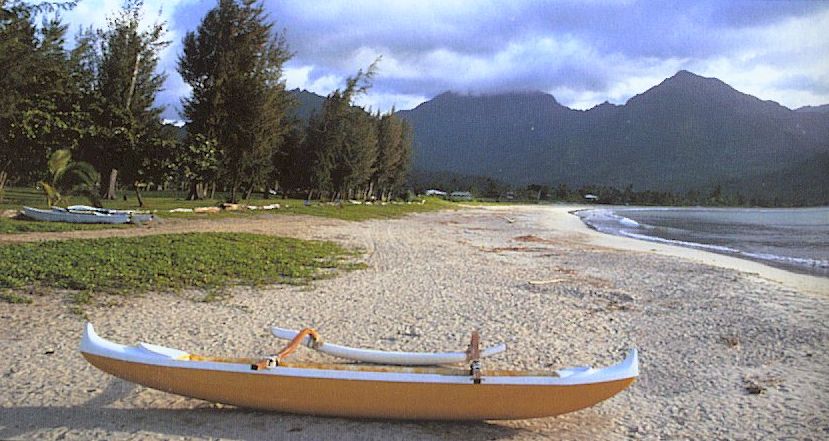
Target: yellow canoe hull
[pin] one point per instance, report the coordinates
(361, 391)
(365, 399)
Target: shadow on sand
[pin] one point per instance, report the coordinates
(229, 422)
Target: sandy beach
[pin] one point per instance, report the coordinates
(707, 326)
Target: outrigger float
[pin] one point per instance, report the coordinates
(406, 390)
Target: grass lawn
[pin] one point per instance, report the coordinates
(17, 197)
(168, 262)
(8, 226)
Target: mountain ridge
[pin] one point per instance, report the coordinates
(687, 132)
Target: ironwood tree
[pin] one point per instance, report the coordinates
(291, 165)
(394, 147)
(119, 65)
(342, 141)
(233, 63)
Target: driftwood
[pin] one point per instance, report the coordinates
(207, 209)
(231, 207)
(545, 282)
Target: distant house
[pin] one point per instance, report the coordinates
(434, 192)
(460, 196)
(591, 198)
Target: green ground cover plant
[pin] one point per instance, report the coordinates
(170, 262)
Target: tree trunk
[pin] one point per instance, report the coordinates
(212, 189)
(248, 192)
(193, 194)
(234, 188)
(113, 179)
(138, 194)
(3, 177)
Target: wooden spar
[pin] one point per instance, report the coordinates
(386, 357)
(475, 357)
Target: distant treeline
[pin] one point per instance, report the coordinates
(488, 189)
(98, 101)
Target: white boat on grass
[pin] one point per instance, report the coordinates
(136, 215)
(57, 214)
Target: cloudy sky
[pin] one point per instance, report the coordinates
(584, 52)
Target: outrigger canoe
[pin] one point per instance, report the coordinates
(63, 215)
(134, 216)
(86, 215)
(360, 390)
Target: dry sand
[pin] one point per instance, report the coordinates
(704, 328)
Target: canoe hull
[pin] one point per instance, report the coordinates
(364, 399)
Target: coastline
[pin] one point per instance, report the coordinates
(571, 222)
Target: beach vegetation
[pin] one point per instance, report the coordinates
(9, 296)
(169, 262)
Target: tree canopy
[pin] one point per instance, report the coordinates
(96, 101)
(233, 62)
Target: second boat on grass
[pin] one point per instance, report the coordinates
(360, 390)
(135, 216)
(85, 215)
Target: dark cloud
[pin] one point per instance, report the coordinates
(488, 46)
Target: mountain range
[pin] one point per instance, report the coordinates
(686, 133)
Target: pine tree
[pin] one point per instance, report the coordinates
(393, 154)
(198, 163)
(291, 164)
(119, 66)
(343, 140)
(233, 62)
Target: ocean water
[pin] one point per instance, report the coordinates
(795, 239)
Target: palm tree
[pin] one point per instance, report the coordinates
(68, 177)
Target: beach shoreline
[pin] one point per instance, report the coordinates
(535, 277)
(791, 279)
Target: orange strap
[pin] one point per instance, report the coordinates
(288, 349)
(291, 347)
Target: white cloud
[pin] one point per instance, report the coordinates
(386, 101)
(787, 62)
(583, 52)
(302, 77)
